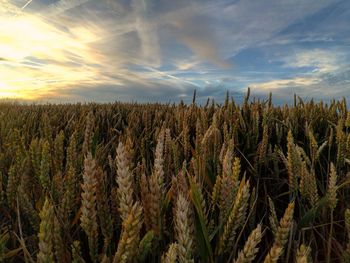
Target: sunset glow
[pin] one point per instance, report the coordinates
(36, 57)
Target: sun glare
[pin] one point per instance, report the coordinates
(36, 56)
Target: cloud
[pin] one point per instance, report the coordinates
(8, 9)
(196, 30)
(332, 85)
(280, 84)
(323, 74)
(64, 5)
(322, 61)
(147, 32)
(156, 92)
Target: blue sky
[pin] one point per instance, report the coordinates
(161, 50)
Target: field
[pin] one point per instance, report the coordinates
(175, 183)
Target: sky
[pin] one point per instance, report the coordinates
(162, 50)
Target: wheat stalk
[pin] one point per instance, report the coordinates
(273, 217)
(293, 162)
(347, 226)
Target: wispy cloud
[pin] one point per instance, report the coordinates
(320, 61)
(64, 5)
(325, 74)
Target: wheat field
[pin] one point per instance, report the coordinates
(123, 182)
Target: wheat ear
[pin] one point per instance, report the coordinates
(281, 236)
(236, 217)
(183, 229)
(250, 248)
(303, 254)
(130, 237)
(88, 216)
(46, 254)
(332, 188)
(125, 182)
(171, 254)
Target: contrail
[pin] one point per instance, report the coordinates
(26, 4)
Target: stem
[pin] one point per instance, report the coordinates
(329, 245)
